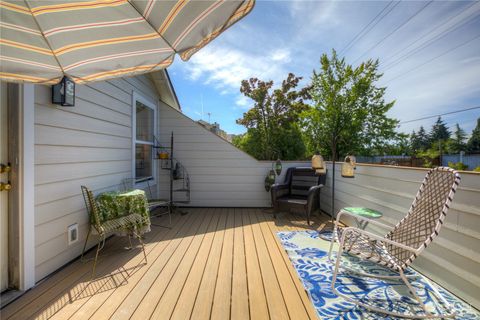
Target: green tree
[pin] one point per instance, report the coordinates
(415, 145)
(399, 146)
(439, 131)
(423, 139)
(349, 110)
(457, 142)
(473, 144)
(272, 122)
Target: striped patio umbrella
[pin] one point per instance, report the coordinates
(43, 40)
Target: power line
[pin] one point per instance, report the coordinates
(428, 33)
(395, 30)
(429, 42)
(434, 58)
(439, 115)
(358, 37)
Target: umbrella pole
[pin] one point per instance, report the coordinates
(333, 193)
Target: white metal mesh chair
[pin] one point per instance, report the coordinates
(399, 247)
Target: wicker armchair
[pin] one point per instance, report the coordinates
(123, 225)
(300, 191)
(399, 247)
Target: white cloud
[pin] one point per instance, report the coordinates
(281, 55)
(225, 67)
(243, 102)
(282, 37)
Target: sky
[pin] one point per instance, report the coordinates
(429, 55)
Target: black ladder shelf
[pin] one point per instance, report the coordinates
(179, 179)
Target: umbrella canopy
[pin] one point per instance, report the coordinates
(43, 40)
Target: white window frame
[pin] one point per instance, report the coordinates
(152, 105)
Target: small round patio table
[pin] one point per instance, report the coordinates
(363, 212)
(355, 211)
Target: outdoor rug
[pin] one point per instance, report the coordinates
(309, 255)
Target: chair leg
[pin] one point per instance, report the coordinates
(130, 241)
(139, 237)
(85, 245)
(99, 247)
(427, 314)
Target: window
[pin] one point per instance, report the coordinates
(144, 131)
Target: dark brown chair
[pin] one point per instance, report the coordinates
(300, 191)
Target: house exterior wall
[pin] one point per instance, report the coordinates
(89, 144)
(221, 175)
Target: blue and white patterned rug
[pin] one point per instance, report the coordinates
(309, 255)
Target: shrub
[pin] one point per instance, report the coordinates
(458, 166)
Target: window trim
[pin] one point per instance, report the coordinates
(152, 105)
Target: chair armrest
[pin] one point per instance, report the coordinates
(312, 198)
(374, 237)
(277, 190)
(314, 190)
(371, 221)
(280, 186)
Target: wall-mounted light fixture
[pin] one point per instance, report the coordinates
(63, 93)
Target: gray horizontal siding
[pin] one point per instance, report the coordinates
(89, 144)
(221, 175)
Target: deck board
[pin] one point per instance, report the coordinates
(214, 263)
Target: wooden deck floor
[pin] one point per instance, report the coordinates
(212, 264)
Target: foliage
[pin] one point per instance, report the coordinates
(439, 131)
(457, 143)
(477, 169)
(349, 111)
(272, 122)
(458, 165)
(428, 156)
(419, 141)
(400, 145)
(473, 144)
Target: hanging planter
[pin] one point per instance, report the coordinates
(163, 155)
(269, 180)
(278, 167)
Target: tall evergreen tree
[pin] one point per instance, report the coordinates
(415, 144)
(423, 139)
(457, 142)
(473, 144)
(439, 131)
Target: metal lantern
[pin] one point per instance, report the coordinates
(348, 167)
(318, 164)
(278, 167)
(269, 180)
(63, 93)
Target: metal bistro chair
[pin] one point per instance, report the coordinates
(102, 228)
(399, 247)
(153, 203)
